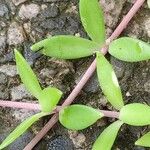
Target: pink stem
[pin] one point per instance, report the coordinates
(85, 77)
(36, 107)
(126, 19)
(110, 114)
(23, 105)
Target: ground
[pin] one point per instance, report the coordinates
(24, 22)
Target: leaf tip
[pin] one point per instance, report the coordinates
(32, 47)
(15, 50)
(39, 45)
(136, 143)
(2, 146)
(35, 47)
(17, 54)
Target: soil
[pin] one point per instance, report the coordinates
(20, 29)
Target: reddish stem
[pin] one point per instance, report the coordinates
(86, 76)
(110, 114)
(23, 105)
(126, 19)
(36, 107)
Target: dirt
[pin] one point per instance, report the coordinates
(55, 17)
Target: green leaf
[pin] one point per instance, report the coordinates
(66, 47)
(108, 81)
(92, 19)
(144, 140)
(21, 129)
(49, 98)
(107, 137)
(27, 75)
(135, 114)
(148, 3)
(129, 49)
(78, 117)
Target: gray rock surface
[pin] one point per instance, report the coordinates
(2, 44)
(112, 11)
(92, 85)
(17, 2)
(122, 69)
(3, 10)
(29, 55)
(4, 92)
(3, 78)
(77, 138)
(29, 11)
(60, 142)
(147, 26)
(50, 11)
(20, 92)
(9, 70)
(15, 34)
(147, 86)
(22, 114)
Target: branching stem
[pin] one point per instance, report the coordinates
(36, 107)
(86, 76)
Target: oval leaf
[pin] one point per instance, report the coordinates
(129, 49)
(107, 137)
(135, 114)
(108, 81)
(144, 140)
(27, 75)
(21, 129)
(66, 47)
(78, 117)
(92, 19)
(49, 98)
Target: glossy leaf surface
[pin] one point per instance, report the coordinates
(66, 47)
(78, 117)
(130, 49)
(21, 129)
(49, 98)
(108, 81)
(135, 114)
(144, 140)
(27, 75)
(107, 137)
(92, 19)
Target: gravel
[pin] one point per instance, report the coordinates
(9, 70)
(15, 34)
(20, 92)
(29, 11)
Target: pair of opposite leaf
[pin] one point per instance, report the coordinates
(48, 98)
(70, 47)
(78, 117)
